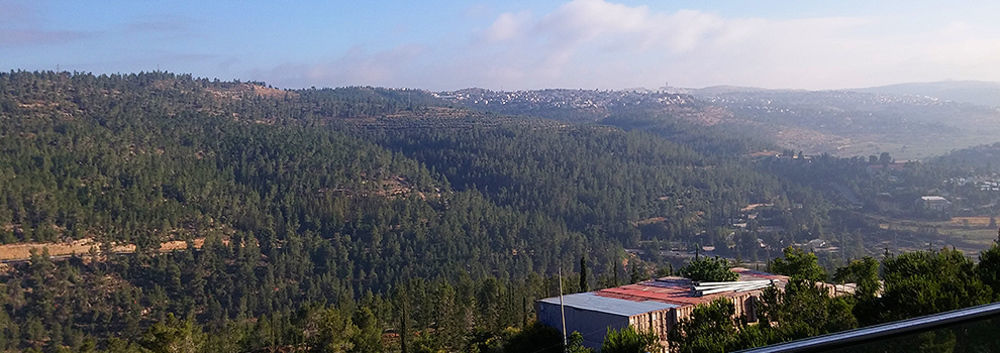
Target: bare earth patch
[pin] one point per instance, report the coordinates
(22, 251)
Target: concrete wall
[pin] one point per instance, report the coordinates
(591, 324)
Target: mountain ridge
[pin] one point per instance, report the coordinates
(968, 91)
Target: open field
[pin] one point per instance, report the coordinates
(969, 234)
(983, 221)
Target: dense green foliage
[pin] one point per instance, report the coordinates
(629, 340)
(597, 180)
(979, 159)
(355, 219)
(709, 269)
(291, 213)
(915, 284)
(804, 309)
(799, 264)
(710, 328)
(300, 200)
(921, 283)
(864, 274)
(989, 268)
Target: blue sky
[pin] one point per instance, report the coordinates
(513, 44)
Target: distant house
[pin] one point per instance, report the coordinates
(815, 243)
(936, 203)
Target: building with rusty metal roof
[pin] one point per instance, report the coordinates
(655, 305)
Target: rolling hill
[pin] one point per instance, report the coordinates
(973, 92)
(841, 123)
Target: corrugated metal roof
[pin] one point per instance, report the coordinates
(658, 294)
(616, 306)
(747, 274)
(680, 291)
(673, 295)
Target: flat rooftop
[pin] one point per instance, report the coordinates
(610, 305)
(656, 294)
(680, 291)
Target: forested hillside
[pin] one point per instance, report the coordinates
(980, 159)
(848, 123)
(975, 92)
(680, 118)
(843, 123)
(292, 211)
(597, 180)
(358, 217)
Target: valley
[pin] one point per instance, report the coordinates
(399, 199)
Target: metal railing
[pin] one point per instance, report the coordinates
(887, 331)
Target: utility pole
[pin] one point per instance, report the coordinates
(404, 333)
(562, 310)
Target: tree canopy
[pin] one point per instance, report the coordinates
(629, 340)
(709, 269)
(799, 264)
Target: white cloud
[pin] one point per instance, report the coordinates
(507, 26)
(357, 66)
(601, 44)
